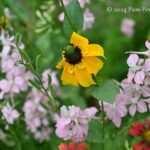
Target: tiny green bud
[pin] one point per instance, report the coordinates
(69, 50)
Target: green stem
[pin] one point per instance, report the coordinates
(66, 14)
(103, 121)
(51, 98)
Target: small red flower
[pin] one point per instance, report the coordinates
(73, 146)
(142, 130)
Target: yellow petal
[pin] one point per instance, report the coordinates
(68, 78)
(71, 68)
(93, 64)
(83, 77)
(79, 41)
(95, 50)
(60, 64)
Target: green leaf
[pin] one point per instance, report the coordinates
(49, 80)
(94, 133)
(106, 92)
(35, 84)
(17, 38)
(30, 67)
(38, 63)
(24, 55)
(75, 15)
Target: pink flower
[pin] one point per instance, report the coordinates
(54, 79)
(147, 43)
(136, 71)
(89, 19)
(9, 113)
(16, 76)
(116, 111)
(61, 17)
(36, 116)
(136, 105)
(72, 124)
(127, 27)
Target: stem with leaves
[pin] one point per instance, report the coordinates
(37, 83)
(67, 16)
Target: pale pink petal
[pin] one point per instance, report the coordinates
(5, 85)
(139, 77)
(132, 60)
(122, 110)
(145, 91)
(130, 76)
(132, 109)
(147, 65)
(90, 112)
(61, 17)
(147, 43)
(141, 107)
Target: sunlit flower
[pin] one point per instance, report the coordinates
(80, 61)
(142, 130)
(73, 146)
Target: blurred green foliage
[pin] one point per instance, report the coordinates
(49, 43)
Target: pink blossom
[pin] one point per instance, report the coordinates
(72, 124)
(147, 43)
(136, 71)
(118, 110)
(36, 116)
(16, 76)
(54, 80)
(9, 113)
(127, 26)
(89, 19)
(136, 105)
(61, 17)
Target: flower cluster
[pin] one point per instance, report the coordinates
(88, 16)
(36, 116)
(134, 95)
(72, 124)
(16, 76)
(139, 129)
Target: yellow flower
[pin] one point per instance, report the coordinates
(80, 61)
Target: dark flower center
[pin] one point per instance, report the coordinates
(72, 54)
(146, 136)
